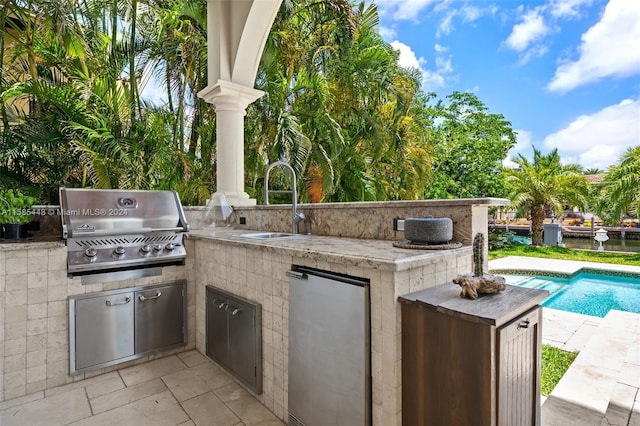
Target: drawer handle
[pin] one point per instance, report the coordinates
(219, 303)
(126, 300)
(297, 275)
(524, 324)
(236, 311)
(142, 298)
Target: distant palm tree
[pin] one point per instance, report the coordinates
(619, 191)
(593, 171)
(544, 186)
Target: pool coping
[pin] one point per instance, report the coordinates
(522, 265)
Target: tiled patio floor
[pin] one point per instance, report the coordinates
(183, 389)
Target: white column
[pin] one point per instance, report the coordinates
(230, 101)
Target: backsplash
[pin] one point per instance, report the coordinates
(369, 220)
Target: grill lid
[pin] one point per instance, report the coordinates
(110, 231)
(103, 212)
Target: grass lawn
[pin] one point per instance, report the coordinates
(555, 363)
(566, 254)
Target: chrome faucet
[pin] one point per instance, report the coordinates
(296, 217)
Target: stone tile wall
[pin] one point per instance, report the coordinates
(34, 317)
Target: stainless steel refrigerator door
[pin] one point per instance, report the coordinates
(329, 352)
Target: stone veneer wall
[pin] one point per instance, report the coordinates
(369, 220)
(260, 275)
(34, 330)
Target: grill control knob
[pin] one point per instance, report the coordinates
(91, 252)
(157, 247)
(119, 251)
(145, 249)
(169, 247)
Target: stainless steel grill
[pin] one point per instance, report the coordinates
(121, 234)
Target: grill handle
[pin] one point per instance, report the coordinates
(124, 231)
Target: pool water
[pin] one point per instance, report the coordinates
(585, 293)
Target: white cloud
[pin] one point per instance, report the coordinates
(443, 64)
(408, 58)
(467, 13)
(403, 9)
(567, 8)
(608, 49)
(432, 79)
(386, 33)
(523, 143)
(598, 140)
(437, 79)
(531, 29)
(446, 25)
(535, 51)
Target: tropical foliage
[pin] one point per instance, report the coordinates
(352, 122)
(544, 186)
(619, 191)
(470, 144)
(84, 71)
(338, 107)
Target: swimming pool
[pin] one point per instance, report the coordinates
(585, 293)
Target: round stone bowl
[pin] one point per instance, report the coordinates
(428, 230)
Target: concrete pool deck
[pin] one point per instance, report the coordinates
(602, 386)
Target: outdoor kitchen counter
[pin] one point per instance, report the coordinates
(256, 269)
(368, 253)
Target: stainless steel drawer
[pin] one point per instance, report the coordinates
(110, 327)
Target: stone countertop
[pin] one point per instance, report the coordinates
(31, 243)
(453, 202)
(379, 254)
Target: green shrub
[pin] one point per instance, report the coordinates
(499, 239)
(15, 207)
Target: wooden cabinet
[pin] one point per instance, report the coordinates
(234, 336)
(471, 362)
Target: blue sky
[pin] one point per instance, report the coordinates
(566, 73)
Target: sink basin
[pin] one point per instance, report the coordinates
(268, 235)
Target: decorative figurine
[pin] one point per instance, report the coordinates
(479, 282)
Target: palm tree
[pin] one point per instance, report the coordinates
(592, 171)
(544, 186)
(84, 67)
(338, 106)
(619, 191)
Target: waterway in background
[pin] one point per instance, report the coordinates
(629, 246)
(632, 246)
